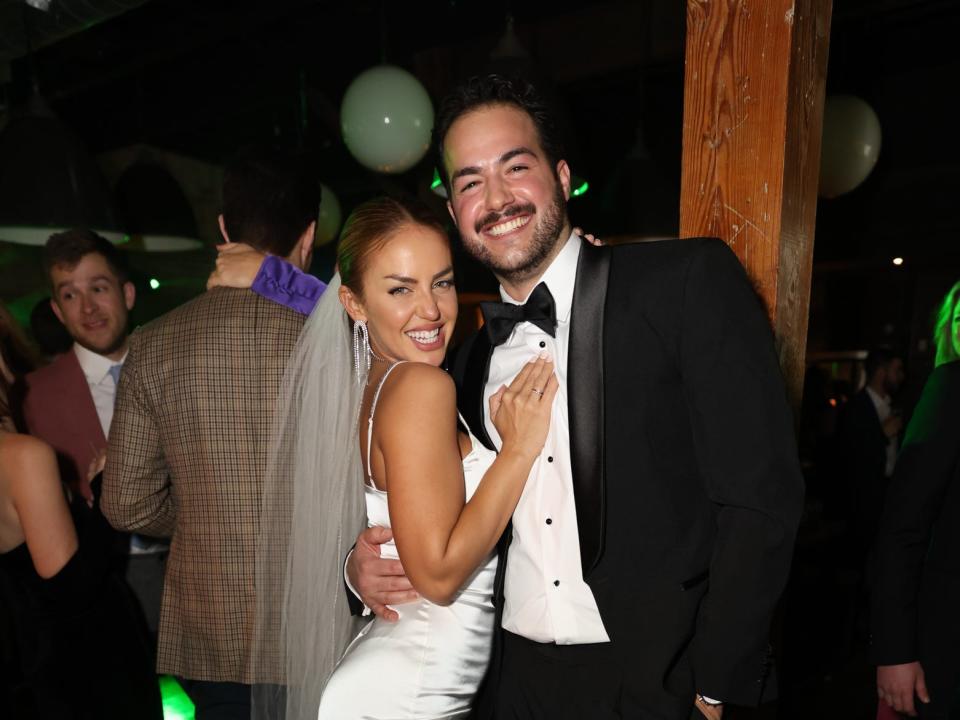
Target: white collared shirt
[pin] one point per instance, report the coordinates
(883, 407)
(103, 390)
(546, 598)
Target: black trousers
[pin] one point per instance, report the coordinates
(570, 682)
(218, 700)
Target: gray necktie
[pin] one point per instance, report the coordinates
(115, 373)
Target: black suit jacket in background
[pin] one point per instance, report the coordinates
(863, 446)
(914, 614)
(685, 471)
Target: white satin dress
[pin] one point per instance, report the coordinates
(429, 664)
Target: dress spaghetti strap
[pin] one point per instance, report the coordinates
(373, 409)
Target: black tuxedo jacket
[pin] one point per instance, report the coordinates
(917, 589)
(686, 479)
(864, 448)
(865, 441)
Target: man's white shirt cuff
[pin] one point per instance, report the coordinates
(346, 579)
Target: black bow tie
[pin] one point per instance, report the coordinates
(500, 318)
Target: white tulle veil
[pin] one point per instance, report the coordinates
(312, 510)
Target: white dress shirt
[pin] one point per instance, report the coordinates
(103, 390)
(546, 598)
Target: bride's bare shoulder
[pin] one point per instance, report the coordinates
(420, 384)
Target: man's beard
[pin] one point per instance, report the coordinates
(546, 234)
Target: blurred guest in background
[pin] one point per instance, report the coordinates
(869, 433)
(946, 331)
(916, 596)
(77, 646)
(17, 358)
(69, 403)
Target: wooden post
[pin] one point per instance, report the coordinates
(752, 117)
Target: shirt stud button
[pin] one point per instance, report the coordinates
(556, 583)
(549, 521)
(549, 458)
(543, 344)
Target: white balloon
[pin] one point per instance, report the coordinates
(328, 220)
(386, 118)
(851, 144)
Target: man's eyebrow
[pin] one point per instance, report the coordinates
(471, 170)
(505, 158)
(70, 283)
(511, 154)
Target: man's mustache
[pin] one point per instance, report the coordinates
(493, 218)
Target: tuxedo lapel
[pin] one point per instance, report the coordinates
(474, 379)
(585, 400)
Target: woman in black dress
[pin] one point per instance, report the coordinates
(80, 651)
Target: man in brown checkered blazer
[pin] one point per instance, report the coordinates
(191, 433)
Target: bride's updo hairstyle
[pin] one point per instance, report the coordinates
(370, 226)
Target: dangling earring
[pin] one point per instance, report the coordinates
(361, 348)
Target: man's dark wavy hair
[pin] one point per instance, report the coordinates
(879, 357)
(269, 198)
(488, 90)
(66, 249)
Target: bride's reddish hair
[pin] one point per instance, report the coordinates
(368, 229)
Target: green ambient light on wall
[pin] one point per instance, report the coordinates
(154, 283)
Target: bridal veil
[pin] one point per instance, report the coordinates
(312, 511)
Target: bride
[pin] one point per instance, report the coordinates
(368, 432)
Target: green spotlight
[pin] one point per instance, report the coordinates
(577, 192)
(437, 185)
(176, 704)
(154, 283)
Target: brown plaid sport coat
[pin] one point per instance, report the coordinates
(187, 453)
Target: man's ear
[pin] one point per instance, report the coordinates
(563, 172)
(223, 228)
(305, 244)
(56, 311)
(351, 303)
(129, 294)
(450, 210)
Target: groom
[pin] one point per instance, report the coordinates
(655, 533)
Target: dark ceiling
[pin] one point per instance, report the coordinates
(203, 77)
